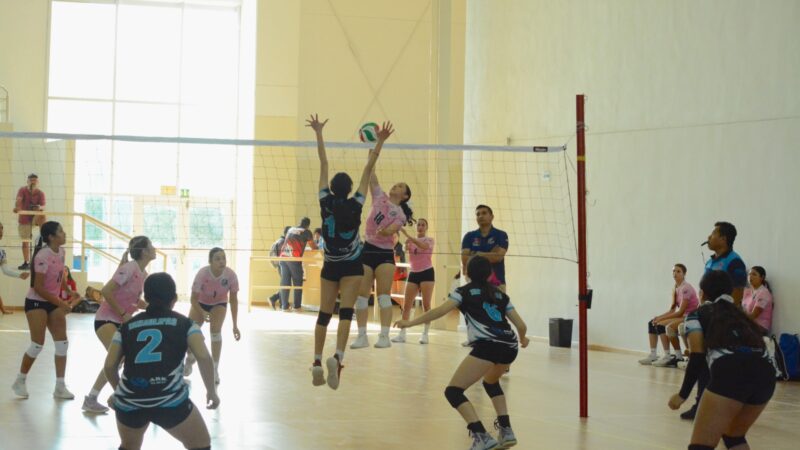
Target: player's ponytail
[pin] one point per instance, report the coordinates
(479, 270)
(345, 218)
(406, 208)
(729, 326)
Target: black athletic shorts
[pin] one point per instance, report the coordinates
(208, 308)
(100, 323)
(336, 270)
(421, 277)
(166, 418)
(373, 256)
(744, 377)
(494, 352)
(39, 304)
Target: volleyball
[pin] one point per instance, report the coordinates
(368, 132)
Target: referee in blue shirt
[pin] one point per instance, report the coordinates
(489, 242)
(720, 241)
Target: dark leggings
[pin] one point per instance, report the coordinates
(291, 275)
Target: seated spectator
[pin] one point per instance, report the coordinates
(69, 289)
(318, 238)
(757, 302)
(665, 326)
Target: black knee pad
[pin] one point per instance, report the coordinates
(651, 329)
(731, 441)
(324, 319)
(493, 390)
(700, 447)
(660, 329)
(455, 396)
(345, 313)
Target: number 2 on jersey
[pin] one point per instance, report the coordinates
(147, 355)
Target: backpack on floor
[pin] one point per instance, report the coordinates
(789, 345)
(86, 306)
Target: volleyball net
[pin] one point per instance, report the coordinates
(189, 195)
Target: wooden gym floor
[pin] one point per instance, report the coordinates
(389, 398)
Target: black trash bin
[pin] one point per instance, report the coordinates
(560, 332)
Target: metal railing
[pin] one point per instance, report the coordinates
(315, 260)
(85, 218)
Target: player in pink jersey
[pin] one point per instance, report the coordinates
(123, 298)
(45, 310)
(757, 302)
(421, 278)
(210, 290)
(665, 326)
(9, 272)
(388, 214)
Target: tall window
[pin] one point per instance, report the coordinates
(148, 68)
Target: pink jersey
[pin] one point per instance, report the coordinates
(686, 293)
(50, 265)
(383, 214)
(762, 298)
(130, 282)
(213, 290)
(418, 258)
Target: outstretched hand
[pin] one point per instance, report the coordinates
(386, 130)
(402, 324)
(315, 124)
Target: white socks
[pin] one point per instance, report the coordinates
(94, 393)
(427, 327)
(60, 382)
(385, 330)
(340, 354)
(362, 331)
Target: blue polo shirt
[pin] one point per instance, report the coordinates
(475, 242)
(729, 262)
